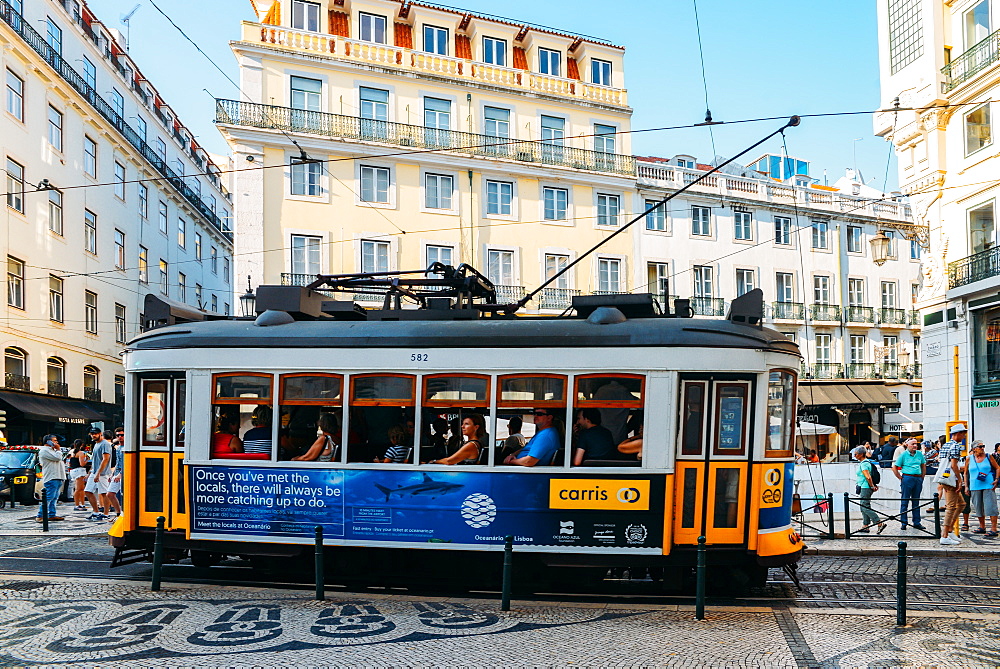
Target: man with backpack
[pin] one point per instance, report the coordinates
(886, 452)
(868, 480)
(104, 457)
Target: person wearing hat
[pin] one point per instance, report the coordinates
(950, 479)
(100, 475)
(910, 467)
(866, 488)
(981, 483)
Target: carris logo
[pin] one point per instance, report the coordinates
(629, 495)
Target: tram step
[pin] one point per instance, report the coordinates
(123, 556)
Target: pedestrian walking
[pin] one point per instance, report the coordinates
(910, 467)
(53, 476)
(100, 474)
(866, 488)
(981, 483)
(78, 460)
(950, 482)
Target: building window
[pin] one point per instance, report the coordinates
(436, 40)
(888, 294)
(744, 281)
(56, 212)
(859, 347)
(90, 311)
(305, 15)
(182, 287)
(161, 149)
(608, 208)
(891, 345)
(15, 186)
(495, 51)
(499, 198)
(162, 215)
(163, 276)
(143, 201)
(143, 265)
(549, 61)
(197, 246)
(604, 138)
(198, 296)
(785, 286)
(15, 96)
(16, 368)
(986, 335)
(119, 249)
(53, 35)
(914, 249)
(375, 184)
(55, 299)
(782, 230)
(978, 130)
(916, 402)
(374, 104)
(553, 131)
(15, 283)
(441, 254)
(213, 260)
(556, 202)
(977, 24)
(181, 232)
(56, 373)
(743, 222)
(821, 290)
(982, 231)
(892, 242)
(701, 221)
(215, 303)
(554, 264)
(225, 270)
(824, 349)
(438, 191)
(905, 33)
(305, 179)
(118, 104)
(306, 94)
(89, 73)
(306, 254)
(497, 122)
(658, 279)
(55, 128)
(89, 156)
(121, 329)
(140, 127)
(120, 389)
(374, 256)
(90, 231)
(120, 181)
(657, 218)
(819, 234)
(609, 275)
(92, 382)
(856, 292)
(600, 72)
(437, 119)
(500, 267)
(372, 28)
(704, 284)
(854, 239)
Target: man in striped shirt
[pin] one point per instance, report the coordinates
(949, 457)
(258, 438)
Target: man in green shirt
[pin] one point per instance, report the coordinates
(910, 467)
(866, 488)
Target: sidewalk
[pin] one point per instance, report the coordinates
(20, 521)
(923, 545)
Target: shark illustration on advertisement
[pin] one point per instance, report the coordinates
(426, 487)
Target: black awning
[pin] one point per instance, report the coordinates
(37, 407)
(846, 394)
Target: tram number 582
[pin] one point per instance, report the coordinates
(419, 357)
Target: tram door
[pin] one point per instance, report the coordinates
(713, 452)
(160, 484)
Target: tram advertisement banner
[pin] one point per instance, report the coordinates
(413, 506)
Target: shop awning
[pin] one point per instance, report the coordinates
(804, 429)
(37, 407)
(846, 395)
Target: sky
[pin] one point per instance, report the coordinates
(763, 58)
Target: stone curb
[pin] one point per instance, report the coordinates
(910, 552)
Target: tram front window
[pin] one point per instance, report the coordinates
(448, 401)
(607, 431)
(539, 400)
(311, 410)
(381, 418)
(242, 417)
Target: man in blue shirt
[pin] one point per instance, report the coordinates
(910, 467)
(542, 447)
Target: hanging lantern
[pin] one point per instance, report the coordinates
(248, 302)
(880, 248)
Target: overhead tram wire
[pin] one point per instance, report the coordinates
(704, 81)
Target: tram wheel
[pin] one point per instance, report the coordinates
(205, 558)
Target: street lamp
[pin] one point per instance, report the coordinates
(248, 301)
(880, 248)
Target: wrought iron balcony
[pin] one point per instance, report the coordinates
(890, 316)
(58, 388)
(890, 370)
(861, 370)
(120, 399)
(286, 119)
(859, 315)
(914, 371)
(789, 311)
(556, 298)
(976, 267)
(825, 370)
(916, 319)
(975, 59)
(92, 394)
(17, 381)
(708, 306)
(825, 312)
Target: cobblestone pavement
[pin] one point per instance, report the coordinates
(20, 521)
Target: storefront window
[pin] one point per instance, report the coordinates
(988, 347)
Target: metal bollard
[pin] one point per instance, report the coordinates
(158, 554)
(320, 573)
(45, 511)
(508, 567)
(699, 591)
(901, 585)
(829, 515)
(847, 515)
(937, 515)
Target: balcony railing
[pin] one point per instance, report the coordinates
(708, 306)
(890, 316)
(916, 319)
(508, 294)
(120, 399)
(889, 370)
(976, 59)
(297, 279)
(825, 312)
(859, 315)
(17, 381)
(556, 298)
(92, 394)
(789, 311)
(73, 78)
(825, 370)
(976, 267)
(286, 119)
(58, 388)
(861, 370)
(914, 371)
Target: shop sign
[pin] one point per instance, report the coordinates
(986, 404)
(75, 421)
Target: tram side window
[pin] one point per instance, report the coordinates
(242, 416)
(780, 414)
(608, 425)
(154, 395)
(731, 418)
(454, 416)
(539, 401)
(311, 415)
(381, 418)
(693, 418)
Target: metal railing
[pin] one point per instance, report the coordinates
(914, 371)
(120, 399)
(297, 279)
(73, 78)
(792, 311)
(17, 381)
(974, 60)
(58, 388)
(825, 370)
(270, 117)
(508, 294)
(556, 298)
(915, 318)
(825, 312)
(859, 314)
(861, 370)
(891, 316)
(976, 267)
(889, 370)
(92, 394)
(708, 306)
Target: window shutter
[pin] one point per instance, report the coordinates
(463, 47)
(338, 24)
(520, 58)
(404, 35)
(572, 70)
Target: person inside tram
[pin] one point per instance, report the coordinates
(455, 439)
(258, 438)
(326, 446)
(474, 431)
(632, 445)
(398, 451)
(592, 440)
(542, 447)
(224, 439)
(515, 441)
(614, 419)
(435, 445)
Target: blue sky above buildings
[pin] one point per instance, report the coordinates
(763, 58)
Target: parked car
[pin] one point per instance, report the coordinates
(20, 475)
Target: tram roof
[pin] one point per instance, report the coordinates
(518, 332)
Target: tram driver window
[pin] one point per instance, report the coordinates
(311, 416)
(454, 416)
(608, 425)
(381, 418)
(539, 401)
(780, 414)
(242, 416)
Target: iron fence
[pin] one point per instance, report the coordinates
(825, 312)
(794, 311)
(974, 60)
(17, 381)
(556, 298)
(892, 316)
(859, 314)
(708, 306)
(976, 267)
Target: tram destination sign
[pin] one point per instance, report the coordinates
(458, 507)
